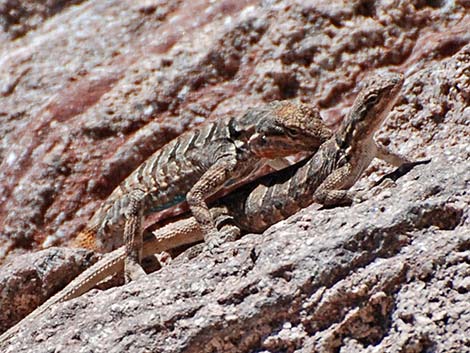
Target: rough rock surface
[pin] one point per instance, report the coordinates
(32, 278)
(389, 274)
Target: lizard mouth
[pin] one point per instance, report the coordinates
(279, 151)
(279, 147)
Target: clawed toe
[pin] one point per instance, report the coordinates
(133, 272)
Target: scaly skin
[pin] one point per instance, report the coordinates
(194, 166)
(272, 198)
(334, 169)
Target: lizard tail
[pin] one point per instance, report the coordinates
(86, 239)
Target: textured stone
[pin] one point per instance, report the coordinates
(32, 278)
(95, 88)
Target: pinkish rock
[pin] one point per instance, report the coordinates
(89, 91)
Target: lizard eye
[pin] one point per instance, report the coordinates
(292, 132)
(373, 99)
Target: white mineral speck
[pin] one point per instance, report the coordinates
(248, 10)
(199, 119)
(183, 92)
(148, 110)
(11, 158)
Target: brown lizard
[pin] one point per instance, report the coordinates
(327, 175)
(194, 166)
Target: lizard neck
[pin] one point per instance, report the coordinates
(239, 133)
(354, 138)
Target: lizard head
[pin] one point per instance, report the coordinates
(372, 105)
(288, 128)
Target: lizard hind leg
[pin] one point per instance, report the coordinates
(133, 236)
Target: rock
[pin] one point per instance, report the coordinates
(32, 278)
(388, 274)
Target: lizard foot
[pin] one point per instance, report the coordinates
(193, 251)
(213, 240)
(227, 233)
(133, 271)
(164, 258)
(220, 238)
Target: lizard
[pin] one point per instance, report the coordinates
(194, 166)
(325, 178)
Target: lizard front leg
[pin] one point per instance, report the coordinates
(133, 236)
(212, 180)
(329, 192)
(390, 157)
(403, 163)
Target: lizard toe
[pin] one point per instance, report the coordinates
(133, 272)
